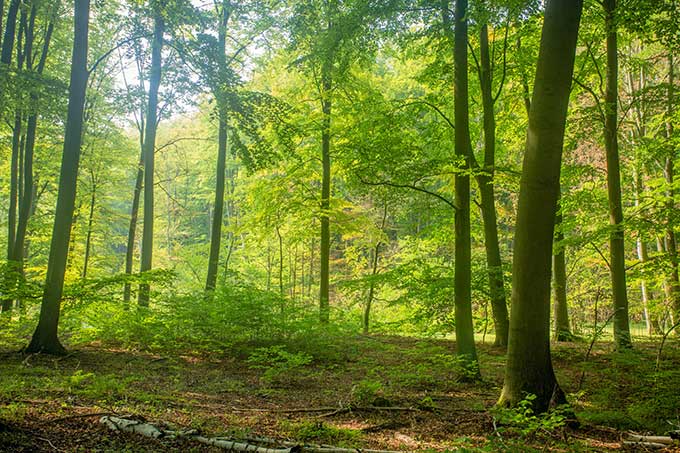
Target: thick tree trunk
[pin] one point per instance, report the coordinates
(561, 312)
(45, 336)
(149, 151)
(485, 181)
(465, 335)
(617, 259)
(220, 180)
(529, 365)
(324, 253)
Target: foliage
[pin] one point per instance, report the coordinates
(522, 420)
(278, 364)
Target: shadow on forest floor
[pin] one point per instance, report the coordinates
(46, 402)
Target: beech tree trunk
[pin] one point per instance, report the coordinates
(617, 260)
(669, 175)
(45, 336)
(220, 180)
(485, 181)
(374, 272)
(149, 150)
(465, 338)
(529, 365)
(561, 312)
(324, 253)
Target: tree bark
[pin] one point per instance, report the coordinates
(26, 207)
(561, 312)
(374, 272)
(216, 230)
(149, 150)
(45, 336)
(324, 253)
(529, 365)
(669, 175)
(465, 336)
(485, 181)
(90, 221)
(617, 259)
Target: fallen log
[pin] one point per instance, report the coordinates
(666, 440)
(632, 443)
(250, 445)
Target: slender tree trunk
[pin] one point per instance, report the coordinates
(529, 365)
(485, 181)
(10, 30)
(280, 238)
(149, 151)
(465, 336)
(132, 229)
(45, 337)
(324, 275)
(374, 272)
(90, 221)
(26, 206)
(216, 231)
(218, 214)
(669, 175)
(15, 160)
(562, 329)
(617, 259)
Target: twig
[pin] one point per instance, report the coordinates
(663, 341)
(596, 334)
(49, 442)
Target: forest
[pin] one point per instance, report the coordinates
(331, 226)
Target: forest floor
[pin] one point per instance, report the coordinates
(54, 404)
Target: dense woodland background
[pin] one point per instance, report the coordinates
(307, 167)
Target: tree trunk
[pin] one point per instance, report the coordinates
(485, 181)
(132, 229)
(561, 312)
(90, 220)
(45, 336)
(669, 175)
(26, 207)
(617, 259)
(465, 335)
(529, 365)
(374, 272)
(149, 150)
(15, 160)
(324, 275)
(216, 231)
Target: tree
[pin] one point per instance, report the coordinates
(529, 365)
(617, 260)
(150, 147)
(45, 336)
(465, 334)
(216, 228)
